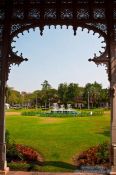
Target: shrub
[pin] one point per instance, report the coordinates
(11, 151)
(29, 154)
(19, 166)
(7, 137)
(16, 152)
(82, 113)
(31, 112)
(23, 166)
(98, 155)
(86, 113)
(103, 152)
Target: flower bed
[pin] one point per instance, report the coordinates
(98, 155)
(29, 154)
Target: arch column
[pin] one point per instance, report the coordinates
(3, 164)
(4, 45)
(112, 72)
(3, 78)
(4, 66)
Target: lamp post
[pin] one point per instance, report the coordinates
(88, 100)
(36, 105)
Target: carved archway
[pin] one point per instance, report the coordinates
(98, 60)
(17, 16)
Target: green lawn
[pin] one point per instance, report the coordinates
(59, 139)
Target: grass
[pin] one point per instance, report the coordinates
(59, 139)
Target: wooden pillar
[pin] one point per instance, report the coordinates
(4, 54)
(113, 105)
(3, 166)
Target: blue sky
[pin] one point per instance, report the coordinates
(58, 56)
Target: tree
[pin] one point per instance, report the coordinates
(14, 97)
(26, 99)
(105, 97)
(46, 85)
(8, 93)
(62, 93)
(68, 93)
(72, 93)
(93, 91)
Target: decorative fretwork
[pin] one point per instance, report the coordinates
(99, 13)
(1, 39)
(114, 14)
(100, 26)
(15, 27)
(34, 14)
(50, 14)
(66, 14)
(99, 1)
(83, 2)
(15, 59)
(18, 14)
(66, 2)
(0, 51)
(2, 14)
(114, 32)
(34, 1)
(76, 13)
(18, 1)
(82, 14)
(1, 32)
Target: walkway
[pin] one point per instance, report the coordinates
(39, 173)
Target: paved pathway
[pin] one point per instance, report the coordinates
(39, 173)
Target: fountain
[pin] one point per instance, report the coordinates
(62, 109)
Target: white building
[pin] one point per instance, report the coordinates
(7, 106)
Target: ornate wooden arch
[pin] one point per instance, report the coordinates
(19, 15)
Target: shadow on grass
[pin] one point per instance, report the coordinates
(106, 132)
(60, 165)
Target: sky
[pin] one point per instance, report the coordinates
(58, 57)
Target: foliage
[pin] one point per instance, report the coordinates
(97, 155)
(68, 93)
(17, 152)
(29, 154)
(85, 113)
(65, 94)
(62, 90)
(11, 151)
(93, 90)
(81, 113)
(105, 95)
(46, 85)
(19, 166)
(7, 137)
(31, 112)
(58, 115)
(23, 166)
(12, 96)
(103, 152)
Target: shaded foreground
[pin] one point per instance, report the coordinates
(39, 173)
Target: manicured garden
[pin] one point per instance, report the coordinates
(58, 139)
(73, 113)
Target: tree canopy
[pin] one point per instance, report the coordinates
(70, 93)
